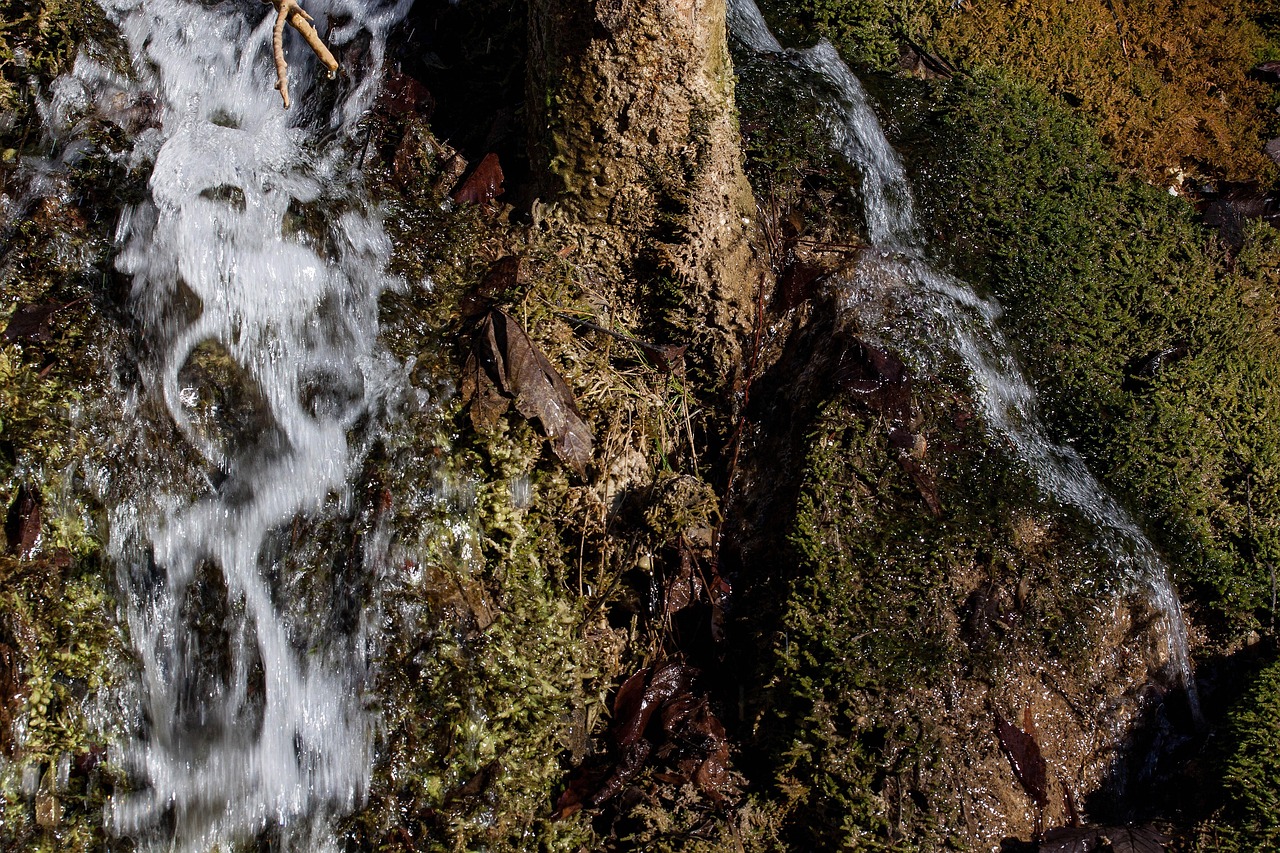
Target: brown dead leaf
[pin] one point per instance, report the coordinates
(686, 588)
(483, 185)
(1024, 757)
(797, 283)
(657, 718)
(402, 94)
(504, 365)
(504, 274)
(22, 524)
(11, 691)
(31, 322)
(1095, 839)
(925, 483)
(878, 377)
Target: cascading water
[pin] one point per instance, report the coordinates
(254, 250)
(934, 309)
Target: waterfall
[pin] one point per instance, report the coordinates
(942, 312)
(254, 251)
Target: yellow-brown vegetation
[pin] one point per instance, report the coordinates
(1164, 81)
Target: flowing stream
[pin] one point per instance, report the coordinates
(255, 269)
(934, 310)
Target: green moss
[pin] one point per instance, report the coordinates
(1165, 84)
(38, 41)
(867, 31)
(1251, 781)
(885, 603)
(1101, 274)
(58, 629)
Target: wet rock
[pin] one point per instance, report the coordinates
(634, 134)
(223, 406)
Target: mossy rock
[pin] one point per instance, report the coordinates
(1154, 350)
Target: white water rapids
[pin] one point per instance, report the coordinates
(221, 255)
(934, 310)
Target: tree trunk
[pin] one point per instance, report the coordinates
(634, 132)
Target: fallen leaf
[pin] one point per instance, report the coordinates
(686, 588)
(669, 358)
(22, 524)
(583, 782)
(1113, 839)
(632, 762)
(483, 185)
(876, 376)
(1137, 839)
(687, 736)
(474, 786)
(503, 275)
(11, 686)
(402, 94)
(925, 483)
(505, 365)
(796, 284)
(31, 322)
(1024, 757)
(1268, 71)
(627, 708)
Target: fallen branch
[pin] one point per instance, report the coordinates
(289, 11)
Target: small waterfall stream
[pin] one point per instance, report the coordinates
(933, 310)
(256, 252)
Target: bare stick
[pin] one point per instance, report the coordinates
(277, 49)
(289, 11)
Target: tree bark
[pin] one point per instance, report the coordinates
(634, 132)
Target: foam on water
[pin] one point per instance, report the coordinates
(218, 255)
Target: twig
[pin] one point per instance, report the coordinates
(289, 11)
(668, 358)
(824, 246)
